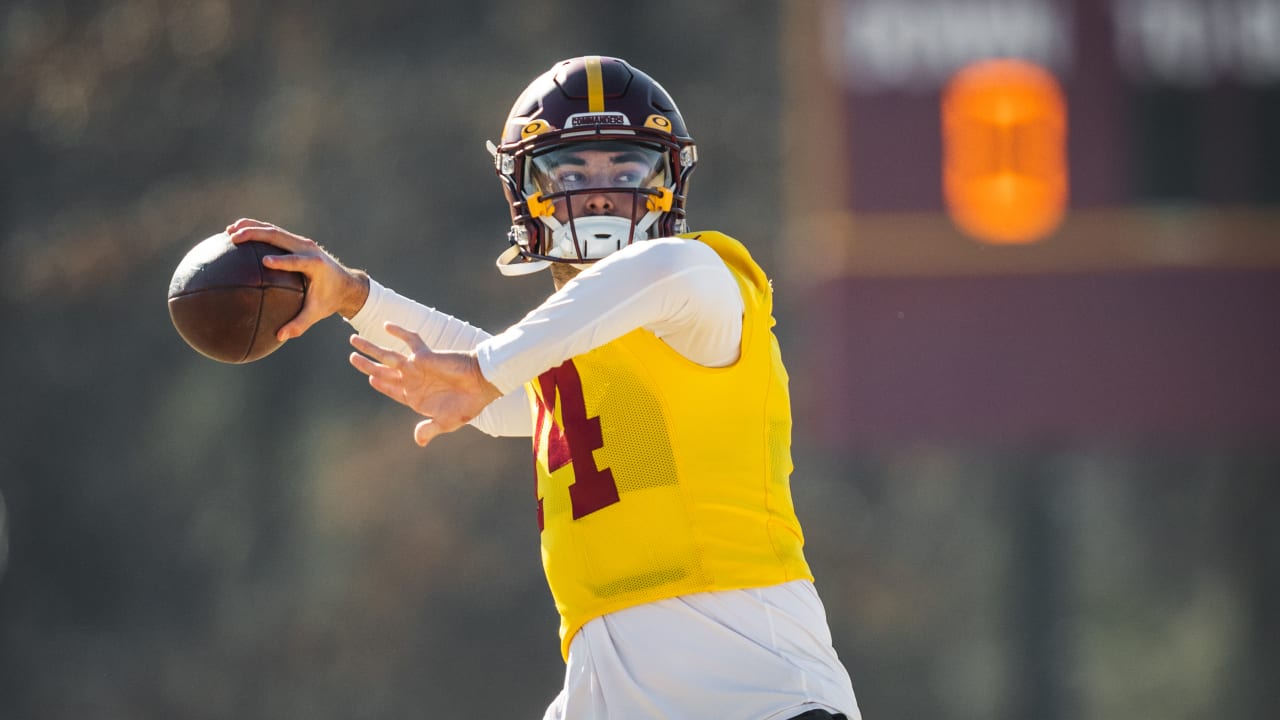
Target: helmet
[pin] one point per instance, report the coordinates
(604, 109)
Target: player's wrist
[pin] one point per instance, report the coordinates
(355, 293)
(488, 391)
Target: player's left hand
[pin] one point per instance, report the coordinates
(446, 387)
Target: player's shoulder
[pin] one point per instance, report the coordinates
(734, 255)
(668, 253)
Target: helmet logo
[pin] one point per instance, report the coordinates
(658, 122)
(534, 128)
(601, 118)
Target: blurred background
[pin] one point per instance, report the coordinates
(1033, 358)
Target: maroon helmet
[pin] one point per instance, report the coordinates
(590, 126)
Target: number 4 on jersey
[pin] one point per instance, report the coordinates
(574, 440)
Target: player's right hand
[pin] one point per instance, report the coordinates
(446, 387)
(331, 286)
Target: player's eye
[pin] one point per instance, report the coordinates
(632, 175)
(569, 179)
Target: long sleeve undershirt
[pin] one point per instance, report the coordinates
(680, 290)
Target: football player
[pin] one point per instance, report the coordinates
(653, 390)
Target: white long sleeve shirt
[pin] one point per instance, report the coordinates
(679, 290)
(762, 653)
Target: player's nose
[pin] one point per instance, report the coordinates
(599, 204)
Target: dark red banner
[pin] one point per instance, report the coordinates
(1112, 356)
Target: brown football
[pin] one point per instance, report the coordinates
(226, 305)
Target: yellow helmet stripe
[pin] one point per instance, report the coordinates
(595, 85)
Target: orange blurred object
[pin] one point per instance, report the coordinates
(1004, 137)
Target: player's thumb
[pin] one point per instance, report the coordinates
(426, 431)
(309, 315)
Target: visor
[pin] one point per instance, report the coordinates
(596, 165)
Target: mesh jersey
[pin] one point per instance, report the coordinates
(659, 477)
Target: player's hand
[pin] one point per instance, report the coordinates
(447, 387)
(331, 286)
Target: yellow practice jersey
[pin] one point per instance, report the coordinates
(660, 477)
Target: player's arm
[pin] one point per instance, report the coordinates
(508, 416)
(678, 289)
(333, 288)
(439, 330)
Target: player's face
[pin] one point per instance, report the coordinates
(590, 175)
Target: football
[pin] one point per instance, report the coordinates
(226, 305)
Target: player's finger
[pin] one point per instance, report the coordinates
(386, 356)
(385, 380)
(293, 263)
(272, 236)
(360, 362)
(365, 365)
(261, 233)
(411, 338)
(389, 383)
(247, 222)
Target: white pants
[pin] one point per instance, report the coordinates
(757, 654)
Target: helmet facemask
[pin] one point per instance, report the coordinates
(597, 197)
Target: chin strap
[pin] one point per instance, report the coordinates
(508, 265)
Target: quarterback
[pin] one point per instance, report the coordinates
(653, 390)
